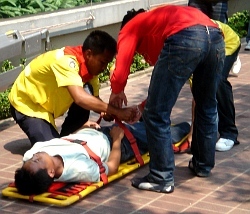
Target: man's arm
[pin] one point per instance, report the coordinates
(113, 163)
(89, 102)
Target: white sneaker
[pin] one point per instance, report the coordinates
(236, 66)
(247, 48)
(223, 145)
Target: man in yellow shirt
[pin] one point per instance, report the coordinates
(53, 82)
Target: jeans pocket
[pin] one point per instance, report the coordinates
(183, 60)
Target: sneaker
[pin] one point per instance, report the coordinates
(143, 183)
(223, 145)
(196, 172)
(247, 48)
(236, 66)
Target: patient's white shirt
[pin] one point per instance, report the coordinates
(78, 166)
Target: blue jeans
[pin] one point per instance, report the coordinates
(226, 110)
(195, 50)
(179, 131)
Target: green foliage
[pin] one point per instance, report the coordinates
(104, 76)
(7, 65)
(138, 64)
(239, 22)
(4, 101)
(4, 105)
(13, 8)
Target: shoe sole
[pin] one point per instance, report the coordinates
(153, 187)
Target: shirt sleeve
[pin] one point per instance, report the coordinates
(34, 149)
(126, 50)
(66, 71)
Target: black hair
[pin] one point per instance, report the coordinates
(98, 41)
(130, 15)
(28, 183)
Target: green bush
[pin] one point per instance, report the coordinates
(4, 101)
(7, 65)
(239, 22)
(138, 64)
(4, 105)
(13, 8)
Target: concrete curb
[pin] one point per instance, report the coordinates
(136, 74)
(6, 123)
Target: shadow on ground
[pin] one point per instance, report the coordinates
(18, 147)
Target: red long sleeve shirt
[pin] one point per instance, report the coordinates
(146, 33)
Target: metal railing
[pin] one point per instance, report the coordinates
(14, 44)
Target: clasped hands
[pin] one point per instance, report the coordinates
(130, 114)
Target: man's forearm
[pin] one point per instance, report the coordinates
(114, 157)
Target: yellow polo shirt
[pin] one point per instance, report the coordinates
(231, 39)
(39, 91)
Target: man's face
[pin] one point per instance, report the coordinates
(40, 160)
(97, 63)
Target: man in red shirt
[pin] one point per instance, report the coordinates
(179, 41)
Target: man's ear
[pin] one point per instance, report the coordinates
(88, 53)
(51, 172)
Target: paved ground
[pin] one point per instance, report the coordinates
(226, 191)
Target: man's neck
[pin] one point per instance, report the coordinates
(59, 165)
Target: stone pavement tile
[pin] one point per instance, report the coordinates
(127, 196)
(66, 210)
(21, 208)
(212, 207)
(50, 211)
(200, 210)
(240, 211)
(231, 196)
(168, 206)
(245, 205)
(240, 161)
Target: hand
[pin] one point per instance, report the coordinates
(116, 133)
(126, 114)
(91, 124)
(107, 117)
(118, 99)
(138, 114)
(189, 138)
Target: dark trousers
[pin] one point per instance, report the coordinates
(38, 129)
(226, 110)
(76, 115)
(214, 10)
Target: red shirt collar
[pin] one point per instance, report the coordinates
(78, 53)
